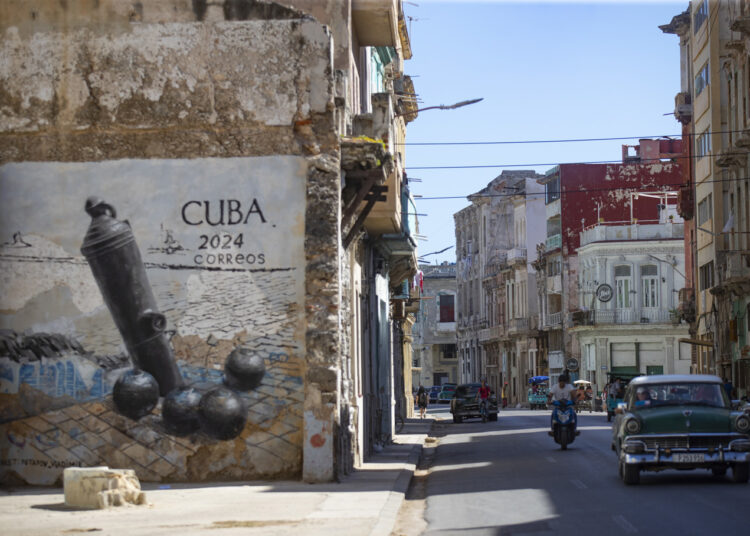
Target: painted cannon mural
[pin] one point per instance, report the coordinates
(171, 343)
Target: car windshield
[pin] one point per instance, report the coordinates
(705, 394)
(465, 391)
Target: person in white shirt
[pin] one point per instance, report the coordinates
(563, 390)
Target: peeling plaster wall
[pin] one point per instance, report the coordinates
(586, 185)
(155, 111)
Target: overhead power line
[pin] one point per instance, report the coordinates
(569, 140)
(636, 188)
(640, 161)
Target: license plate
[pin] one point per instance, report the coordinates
(688, 458)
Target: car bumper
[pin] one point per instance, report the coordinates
(676, 460)
(685, 451)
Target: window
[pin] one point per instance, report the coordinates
(448, 351)
(699, 16)
(552, 190)
(703, 144)
(705, 210)
(447, 308)
(622, 283)
(650, 286)
(706, 275)
(701, 80)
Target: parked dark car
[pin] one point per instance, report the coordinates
(680, 422)
(434, 392)
(464, 403)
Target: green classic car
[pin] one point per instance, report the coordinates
(680, 422)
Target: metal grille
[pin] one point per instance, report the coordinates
(687, 442)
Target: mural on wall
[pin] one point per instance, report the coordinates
(181, 359)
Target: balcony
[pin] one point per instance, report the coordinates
(633, 316)
(581, 318)
(731, 158)
(623, 231)
(686, 307)
(517, 255)
(445, 327)
(376, 22)
(552, 320)
(518, 325)
(735, 275)
(492, 334)
(683, 108)
(553, 242)
(495, 264)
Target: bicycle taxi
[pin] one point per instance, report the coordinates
(537, 393)
(616, 395)
(584, 396)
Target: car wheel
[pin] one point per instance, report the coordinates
(740, 472)
(631, 474)
(457, 419)
(719, 471)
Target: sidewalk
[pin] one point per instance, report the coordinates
(364, 503)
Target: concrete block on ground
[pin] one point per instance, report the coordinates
(101, 487)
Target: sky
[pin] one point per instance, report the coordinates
(550, 70)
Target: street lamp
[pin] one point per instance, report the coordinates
(450, 107)
(443, 107)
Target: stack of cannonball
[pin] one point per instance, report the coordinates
(219, 411)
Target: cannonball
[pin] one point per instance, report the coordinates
(222, 413)
(243, 369)
(180, 411)
(135, 394)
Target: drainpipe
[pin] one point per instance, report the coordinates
(638, 357)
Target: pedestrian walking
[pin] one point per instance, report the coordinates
(422, 401)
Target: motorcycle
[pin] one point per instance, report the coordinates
(564, 422)
(483, 410)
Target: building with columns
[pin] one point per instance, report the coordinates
(629, 276)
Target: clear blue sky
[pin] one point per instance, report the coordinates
(547, 71)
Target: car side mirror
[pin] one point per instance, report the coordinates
(620, 409)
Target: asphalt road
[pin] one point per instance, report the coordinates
(510, 477)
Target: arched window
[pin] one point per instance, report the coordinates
(623, 285)
(650, 285)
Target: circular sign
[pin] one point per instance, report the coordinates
(571, 363)
(604, 292)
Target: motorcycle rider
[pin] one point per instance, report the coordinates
(483, 395)
(563, 390)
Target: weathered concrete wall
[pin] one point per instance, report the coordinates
(584, 186)
(170, 120)
(165, 90)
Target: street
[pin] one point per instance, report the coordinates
(509, 477)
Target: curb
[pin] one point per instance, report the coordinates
(397, 496)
